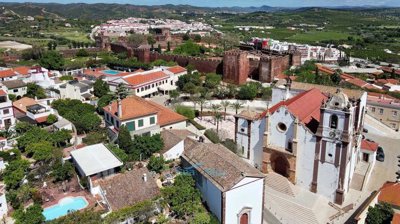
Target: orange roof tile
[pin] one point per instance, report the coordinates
(357, 82)
(24, 102)
(7, 73)
(41, 119)
(134, 107)
(324, 69)
(2, 92)
(305, 106)
(369, 146)
(23, 70)
(145, 78)
(396, 218)
(176, 69)
(390, 193)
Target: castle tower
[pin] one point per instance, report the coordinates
(236, 67)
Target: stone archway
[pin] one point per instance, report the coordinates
(280, 165)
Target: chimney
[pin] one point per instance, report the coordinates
(145, 177)
(119, 108)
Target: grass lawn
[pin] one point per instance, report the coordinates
(69, 33)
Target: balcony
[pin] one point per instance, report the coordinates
(4, 102)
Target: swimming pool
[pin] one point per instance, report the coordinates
(65, 205)
(110, 72)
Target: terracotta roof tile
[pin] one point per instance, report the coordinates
(357, 82)
(24, 102)
(7, 73)
(390, 193)
(2, 92)
(41, 119)
(129, 188)
(134, 107)
(23, 70)
(396, 218)
(145, 78)
(324, 69)
(305, 106)
(369, 146)
(176, 69)
(172, 137)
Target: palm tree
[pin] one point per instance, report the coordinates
(195, 100)
(215, 108)
(237, 105)
(218, 118)
(202, 102)
(225, 104)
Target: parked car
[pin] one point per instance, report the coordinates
(365, 130)
(380, 154)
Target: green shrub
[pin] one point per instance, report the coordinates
(185, 111)
(197, 125)
(212, 135)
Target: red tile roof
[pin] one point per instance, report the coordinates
(326, 70)
(41, 119)
(305, 106)
(396, 218)
(7, 73)
(24, 102)
(23, 70)
(390, 193)
(2, 92)
(369, 146)
(177, 69)
(145, 78)
(357, 82)
(134, 107)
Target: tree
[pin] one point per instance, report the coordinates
(156, 164)
(62, 172)
(82, 53)
(52, 60)
(212, 80)
(100, 88)
(190, 88)
(183, 197)
(41, 151)
(60, 138)
(34, 90)
(137, 39)
(189, 48)
(266, 93)
(122, 91)
(201, 218)
(335, 78)
(51, 119)
(218, 118)
(32, 215)
(124, 139)
(197, 38)
(151, 40)
(202, 102)
(193, 78)
(95, 137)
(174, 94)
(381, 213)
(186, 37)
(237, 106)
(14, 173)
(145, 146)
(159, 50)
(86, 216)
(225, 104)
(121, 154)
(247, 92)
(104, 101)
(232, 91)
(215, 108)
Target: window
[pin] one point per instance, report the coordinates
(15, 90)
(281, 127)
(242, 150)
(373, 109)
(152, 85)
(138, 90)
(333, 122)
(142, 89)
(140, 124)
(117, 124)
(290, 147)
(152, 120)
(394, 113)
(131, 126)
(380, 111)
(6, 111)
(107, 117)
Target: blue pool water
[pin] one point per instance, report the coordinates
(110, 72)
(64, 206)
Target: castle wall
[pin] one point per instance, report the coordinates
(72, 52)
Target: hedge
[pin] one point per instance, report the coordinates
(213, 136)
(197, 125)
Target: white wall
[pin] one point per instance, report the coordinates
(209, 194)
(305, 157)
(247, 193)
(179, 125)
(3, 205)
(279, 138)
(175, 152)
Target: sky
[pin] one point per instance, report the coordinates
(244, 3)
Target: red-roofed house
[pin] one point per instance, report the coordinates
(141, 117)
(308, 139)
(390, 194)
(150, 83)
(368, 150)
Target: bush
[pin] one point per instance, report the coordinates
(66, 78)
(248, 91)
(185, 111)
(156, 164)
(197, 125)
(212, 135)
(230, 144)
(82, 53)
(51, 119)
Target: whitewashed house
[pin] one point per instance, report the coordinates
(329, 124)
(368, 151)
(231, 188)
(7, 118)
(77, 90)
(141, 117)
(174, 142)
(15, 87)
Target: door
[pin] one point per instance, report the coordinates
(365, 157)
(244, 219)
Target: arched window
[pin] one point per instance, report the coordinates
(334, 121)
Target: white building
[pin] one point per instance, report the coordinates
(150, 83)
(3, 202)
(77, 90)
(32, 111)
(15, 87)
(231, 188)
(95, 161)
(7, 118)
(141, 117)
(328, 124)
(174, 142)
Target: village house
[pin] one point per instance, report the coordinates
(30, 110)
(94, 162)
(385, 109)
(328, 123)
(141, 117)
(368, 150)
(231, 188)
(174, 142)
(7, 118)
(15, 87)
(77, 90)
